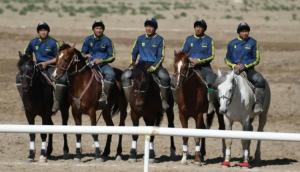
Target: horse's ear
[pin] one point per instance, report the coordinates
(219, 72)
(20, 54)
(175, 52)
(63, 43)
(188, 54)
(74, 45)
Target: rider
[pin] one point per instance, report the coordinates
(100, 49)
(151, 48)
(202, 50)
(45, 49)
(242, 55)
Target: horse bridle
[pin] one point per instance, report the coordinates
(185, 76)
(143, 91)
(33, 76)
(74, 60)
(229, 98)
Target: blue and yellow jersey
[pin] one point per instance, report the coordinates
(43, 50)
(99, 48)
(202, 48)
(247, 50)
(151, 49)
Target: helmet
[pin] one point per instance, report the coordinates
(98, 23)
(42, 25)
(200, 23)
(243, 26)
(152, 22)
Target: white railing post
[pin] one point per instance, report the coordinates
(146, 153)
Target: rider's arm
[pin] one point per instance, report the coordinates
(135, 51)
(29, 49)
(185, 47)
(255, 55)
(160, 55)
(55, 48)
(85, 48)
(111, 53)
(210, 53)
(228, 56)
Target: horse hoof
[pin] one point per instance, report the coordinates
(132, 160)
(29, 160)
(43, 159)
(225, 164)
(99, 160)
(76, 160)
(118, 158)
(245, 165)
(151, 161)
(183, 163)
(197, 164)
(66, 156)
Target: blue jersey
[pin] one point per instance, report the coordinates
(202, 48)
(150, 49)
(99, 48)
(43, 50)
(247, 50)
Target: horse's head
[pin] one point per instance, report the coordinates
(141, 82)
(182, 67)
(27, 70)
(64, 59)
(225, 84)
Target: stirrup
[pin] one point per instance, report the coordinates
(102, 102)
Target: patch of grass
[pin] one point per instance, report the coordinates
(204, 6)
(159, 16)
(23, 12)
(270, 8)
(183, 14)
(239, 17)
(284, 8)
(133, 12)
(228, 10)
(244, 9)
(187, 5)
(145, 9)
(267, 18)
(79, 2)
(80, 10)
(228, 17)
(294, 16)
(12, 8)
(1, 10)
(60, 15)
(176, 17)
(72, 13)
(4, 1)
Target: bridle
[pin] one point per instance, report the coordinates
(185, 76)
(138, 90)
(229, 98)
(73, 60)
(33, 76)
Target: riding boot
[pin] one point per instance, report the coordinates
(127, 91)
(260, 96)
(19, 87)
(164, 91)
(59, 92)
(107, 90)
(174, 94)
(211, 100)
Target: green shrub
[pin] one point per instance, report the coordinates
(267, 18)
(159, 16)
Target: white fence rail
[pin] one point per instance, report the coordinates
(148, 131)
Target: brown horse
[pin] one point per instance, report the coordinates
(85, 91)
(192, 102)
(145, 102)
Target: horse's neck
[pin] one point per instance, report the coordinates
(241, 91)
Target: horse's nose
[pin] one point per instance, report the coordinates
(139, 103)
(25, 89)
(223, 111)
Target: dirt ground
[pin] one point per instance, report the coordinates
(279, 48)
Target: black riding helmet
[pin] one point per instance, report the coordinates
(243, 26)
(42, 25)
(98, 23)
(151, 22)
(200, 23)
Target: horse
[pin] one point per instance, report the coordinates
(145, 101)
(237, 100)
(85, 90)
(192, 102)
(38, 101)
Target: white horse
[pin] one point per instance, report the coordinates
(236, 103)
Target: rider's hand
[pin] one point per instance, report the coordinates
(44, 65)
(194, 61)
(88, 56)
(239, 67)
(150, 69)
(97, 61)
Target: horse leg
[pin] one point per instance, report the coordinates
(170, 116)
(184, 123)
(133, 150)
(92, 114)
(245, 144)
(199, 124)
(109, 122)
(32, 151)
(46, 120)
(64, 109)
(78, 121)
(203, 149)
(151, 122)
(123, 115)
(228, 142)
(262, 123)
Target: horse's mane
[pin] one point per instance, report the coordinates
(221, 79)
(139, 69)
(25, 58)
(77, 52)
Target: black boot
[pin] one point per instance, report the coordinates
(164, 91)
(20, 90)
(58, 94)
(260, 96)
(107, 90)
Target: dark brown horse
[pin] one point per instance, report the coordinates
(145, 102)
(38, 101)
(85, 91)
(192, 102)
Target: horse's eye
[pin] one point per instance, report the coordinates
(230, 90)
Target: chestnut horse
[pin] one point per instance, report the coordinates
(192, 102)
(85, 91)
(145, 102)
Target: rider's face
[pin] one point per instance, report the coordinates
(43, 33)
(199, 30)
(149, 30)
(244, 34)
(98, 31)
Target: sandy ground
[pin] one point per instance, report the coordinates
(279, 46)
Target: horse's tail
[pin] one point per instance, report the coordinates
(114, 110)
(159, 118)
(209, 119)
